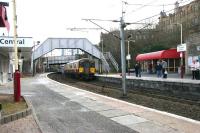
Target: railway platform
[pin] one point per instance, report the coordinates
(61, 108)
(174, 77)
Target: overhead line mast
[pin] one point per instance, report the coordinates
(122, 43)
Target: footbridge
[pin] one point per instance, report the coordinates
(70, 43)
(67, 43)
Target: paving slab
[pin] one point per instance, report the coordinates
(91, 104)
(100, 108)
(128, 119)
(113, 113)
(151, 127)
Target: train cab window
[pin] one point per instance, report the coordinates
(86, 65)
(92, 64)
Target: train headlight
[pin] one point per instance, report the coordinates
(92, 70)
(81, 70)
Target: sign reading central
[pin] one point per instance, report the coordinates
(21, 42)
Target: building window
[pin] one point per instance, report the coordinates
(194, 21)
(196, 7)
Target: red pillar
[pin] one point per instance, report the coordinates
(17, 86)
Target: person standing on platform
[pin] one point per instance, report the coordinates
(150, 67)
(159, 69)
(197, 68)
(138, 70)
(192, 68)
(164, 68)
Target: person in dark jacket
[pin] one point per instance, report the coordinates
(138, 70)
(159, 69)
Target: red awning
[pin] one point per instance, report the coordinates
(164, 54)
(3, 18)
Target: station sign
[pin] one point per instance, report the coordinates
(21, 41)
(181, 47)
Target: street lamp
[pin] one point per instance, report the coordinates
(181, 52)
(128, 57)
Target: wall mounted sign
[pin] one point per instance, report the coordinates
(21, 41)
(181, 47)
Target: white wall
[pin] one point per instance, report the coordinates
(4, 66)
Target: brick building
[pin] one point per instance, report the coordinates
(189, 16)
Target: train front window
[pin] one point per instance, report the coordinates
(84, 64)
(87, 64)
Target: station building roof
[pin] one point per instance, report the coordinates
(163, 54)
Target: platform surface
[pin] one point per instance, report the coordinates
(62, 108)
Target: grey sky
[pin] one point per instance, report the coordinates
(50, 18)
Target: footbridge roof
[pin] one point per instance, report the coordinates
(66, 43)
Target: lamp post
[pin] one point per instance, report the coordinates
(128, 57)
(17, 87)
(181, 53)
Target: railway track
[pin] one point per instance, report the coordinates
(148, 98)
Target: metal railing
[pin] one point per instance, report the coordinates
(106, 66)
(109, 56)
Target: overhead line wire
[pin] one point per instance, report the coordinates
(153, 5)
(156, 5)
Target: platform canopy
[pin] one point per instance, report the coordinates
(163, 54)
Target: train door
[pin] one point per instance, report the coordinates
(86, 67)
